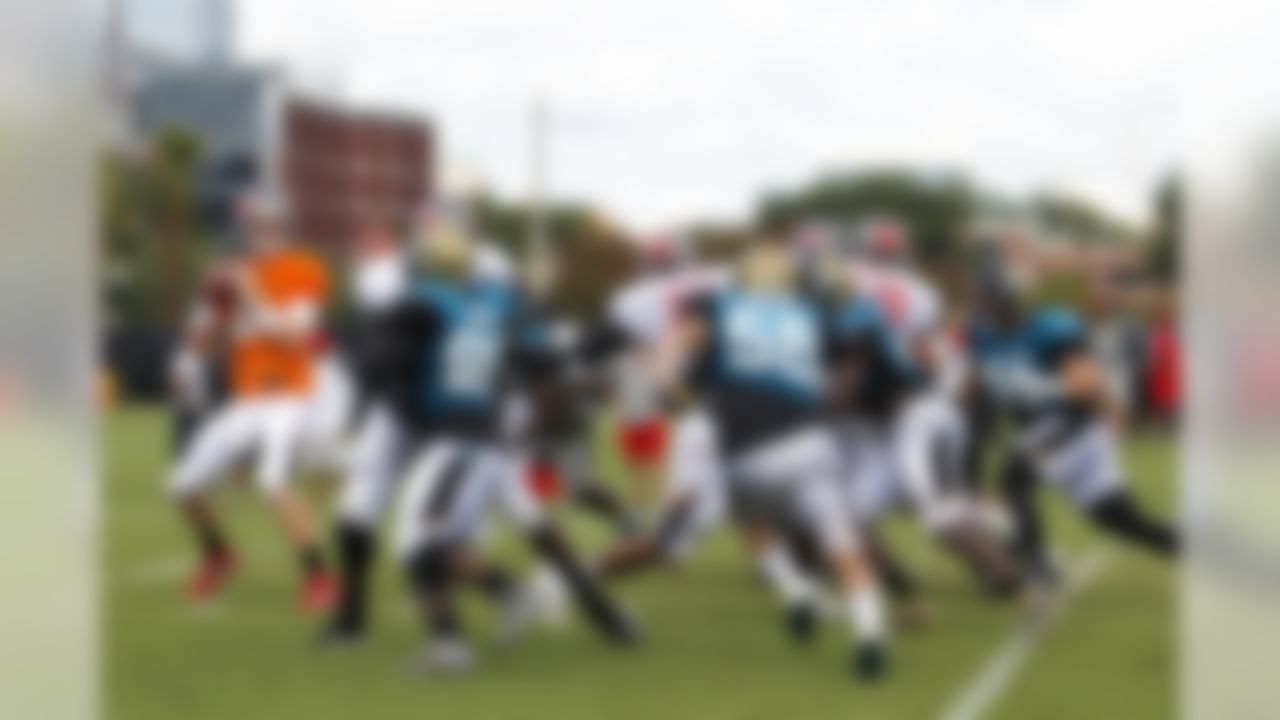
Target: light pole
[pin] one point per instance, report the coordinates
(538, 244)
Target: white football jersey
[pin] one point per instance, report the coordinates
(380, 279)
(648, 308)
(909, 302)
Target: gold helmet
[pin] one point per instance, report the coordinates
(766, 266)
(446, 250)
(834, 276)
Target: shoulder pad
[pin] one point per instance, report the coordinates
(858, 316)
(1056, 323)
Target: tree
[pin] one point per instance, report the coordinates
(592, 256)
(935, 207)
(508, 223)
(174, 162)
(1165, 255)
(150, 227)
(1077, 220)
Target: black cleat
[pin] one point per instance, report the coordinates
(337, 635)
(624, 631)
(1041, 570)
(870, 662)
(801, 622)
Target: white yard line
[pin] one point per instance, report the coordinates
(998, 673)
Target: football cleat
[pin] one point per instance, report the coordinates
(628, 633)
(341, 634)
(545, 589)
(445, 656)
(1043, 570)
(211, 576)
(518, 611)
(801, 622)
(319, 594)
(870, 661)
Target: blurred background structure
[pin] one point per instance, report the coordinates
(196, 123)
(195, 126)
(194, 130)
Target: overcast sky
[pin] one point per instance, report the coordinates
(668, 110)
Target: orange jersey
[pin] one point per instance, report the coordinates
(264, 364)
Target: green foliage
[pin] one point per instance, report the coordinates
(1165, 256)
(591, 266)
(1077, 220)
(1069, 289)
(936, 208)
(508, 223)
(592, 257)
(150, 228)
(719, 241)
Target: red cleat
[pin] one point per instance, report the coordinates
(319, 594)
(211, 576)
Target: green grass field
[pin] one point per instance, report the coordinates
(714, 647)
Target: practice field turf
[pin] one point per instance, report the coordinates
(714, 647)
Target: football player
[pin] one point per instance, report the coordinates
(758, 351)
(274, 296)
(458, 348)
(380, 281)
(1038, 366)
(646, 318)
(903, 443)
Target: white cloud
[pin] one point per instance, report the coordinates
(671, 109)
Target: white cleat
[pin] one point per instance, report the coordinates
(446, 656)
(548, 598)
(518, 612)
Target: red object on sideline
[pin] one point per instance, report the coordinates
(1164, 374)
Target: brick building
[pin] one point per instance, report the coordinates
(344, 169)
(338, 167)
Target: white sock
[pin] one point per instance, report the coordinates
(866, 616)
(784, 577)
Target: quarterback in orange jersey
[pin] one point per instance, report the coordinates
(271, 316)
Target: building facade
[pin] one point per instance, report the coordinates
(338, 168)
(345, 170)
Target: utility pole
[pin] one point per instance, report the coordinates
(538, 243)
